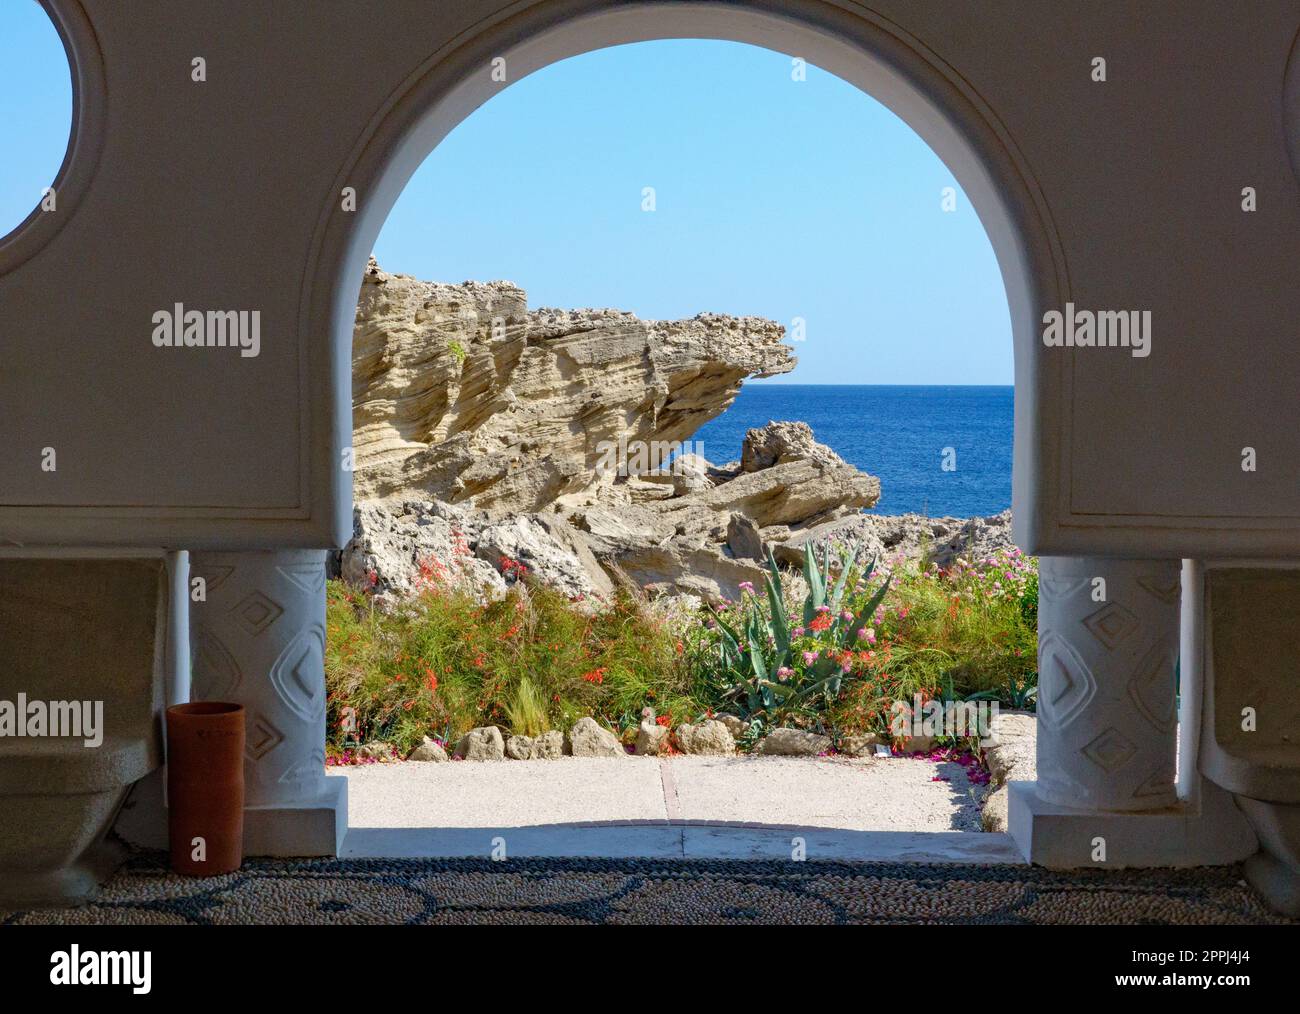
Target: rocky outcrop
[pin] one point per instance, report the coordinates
(562, 439)
(708, 541)
(462, 394)
(489, 436)
(910, 536)
(400, 547)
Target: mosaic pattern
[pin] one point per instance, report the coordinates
(656, 891)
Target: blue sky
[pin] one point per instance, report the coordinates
(35, 108)
(777, 198)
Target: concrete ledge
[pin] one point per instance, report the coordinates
(1214, 833)
(310, 827)
(680, 840)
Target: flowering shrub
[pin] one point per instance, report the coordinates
(835, 655)
(770, 669)
(442, 663)
(876, 635)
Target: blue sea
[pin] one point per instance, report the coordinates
(897, 433)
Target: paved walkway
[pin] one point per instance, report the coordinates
(735, 807)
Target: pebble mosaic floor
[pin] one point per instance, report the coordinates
(654, 891)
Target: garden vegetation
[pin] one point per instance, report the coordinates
(828, 648)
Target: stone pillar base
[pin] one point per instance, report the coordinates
(258, 639)
(1211, 833)
(311, 827)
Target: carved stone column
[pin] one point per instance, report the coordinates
(258, 639)
(1108, 644)
(1107, 648)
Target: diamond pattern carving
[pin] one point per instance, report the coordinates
(299, 673)
(1065, 683)
(256, 612)
(1111, 624)
(212, 576)
(216, 675)
(263, 737)
(307, 576)
(1151, 686)
(1110, 751)
(1156, 784)
(307, 770)
(1166, 590)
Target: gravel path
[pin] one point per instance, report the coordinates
(878, 794)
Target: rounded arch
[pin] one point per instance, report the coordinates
(862, 48)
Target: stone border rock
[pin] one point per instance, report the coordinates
(1012, 757)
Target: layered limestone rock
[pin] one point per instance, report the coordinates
(487, 434)
(462, 394)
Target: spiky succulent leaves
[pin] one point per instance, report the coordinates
(860, 620)
(847, 560)
(729, 644)
(824, 674)
(761, 680)
(780, 624)
(816, 586)
(774, 575)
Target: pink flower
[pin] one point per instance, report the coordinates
(784, 673)
(809, 657)
(746, 586)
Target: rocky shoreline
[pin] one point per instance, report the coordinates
(489, 436)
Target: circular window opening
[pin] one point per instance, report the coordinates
(35, 112)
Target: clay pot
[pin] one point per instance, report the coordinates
(205, 787)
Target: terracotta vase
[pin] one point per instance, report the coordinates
(205, 787)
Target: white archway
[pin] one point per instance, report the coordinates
(897, 71)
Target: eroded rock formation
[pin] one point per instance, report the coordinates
(462, 394)
(487, 433)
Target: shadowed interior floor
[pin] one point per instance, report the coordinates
(613, 891)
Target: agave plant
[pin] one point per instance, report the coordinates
(766, 681)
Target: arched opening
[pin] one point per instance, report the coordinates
(967, 165)
(900, 73)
